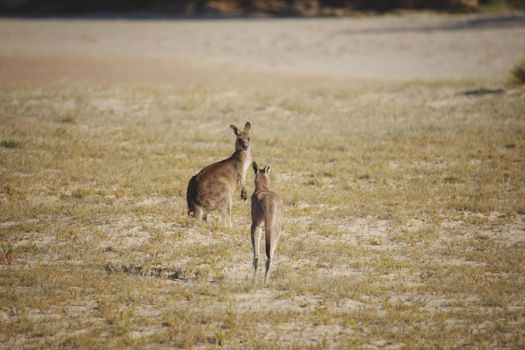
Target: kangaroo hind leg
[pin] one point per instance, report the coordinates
(227, 211)
(198, 212)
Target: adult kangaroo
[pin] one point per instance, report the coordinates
(213, 186)
(267, 209)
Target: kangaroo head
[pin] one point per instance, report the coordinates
(243, 137)
(262, 176)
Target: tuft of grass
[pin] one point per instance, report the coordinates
(8, 252)
(67, 120)
(177, 274)
(10, 144)
(517, 74)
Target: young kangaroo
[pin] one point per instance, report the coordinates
(266, 208)
(213, 186)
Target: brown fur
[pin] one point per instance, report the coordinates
(267, 209)
(212, 188)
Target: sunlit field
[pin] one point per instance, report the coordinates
(396, 142)
(404, 217)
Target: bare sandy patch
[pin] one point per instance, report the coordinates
(192, 51)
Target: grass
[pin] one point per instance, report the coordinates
(8, 253)
(10, 144)
(517, 74)
(404, 218)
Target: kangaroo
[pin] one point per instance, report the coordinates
(266, 207)
(213, 186)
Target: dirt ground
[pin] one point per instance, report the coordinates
(427, 46)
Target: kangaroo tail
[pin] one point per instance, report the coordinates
(272, 230)
(191, 193)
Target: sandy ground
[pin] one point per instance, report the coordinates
(427, 46)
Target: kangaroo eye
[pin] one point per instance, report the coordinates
(248, 139)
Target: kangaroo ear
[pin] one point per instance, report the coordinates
(235, 130)
(267, 169)
(247, 127)
(255, 168)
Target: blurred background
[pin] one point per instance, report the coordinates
(245, 7)
(221, 41)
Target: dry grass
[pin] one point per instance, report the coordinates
(517, 74)
(404, 206)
